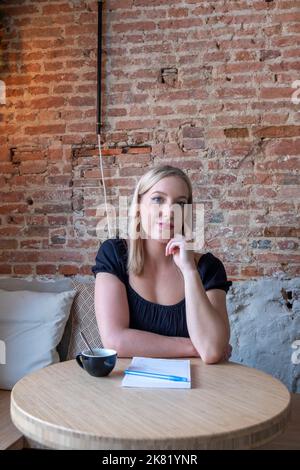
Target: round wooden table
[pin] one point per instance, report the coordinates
(229, 406)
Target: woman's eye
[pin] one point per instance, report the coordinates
(159, 199)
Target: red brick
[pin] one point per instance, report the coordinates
(138, 124)
(7, 168)
(18, 157)
(252, 271)
(51, 102)
(13, 208)
(33, 167)
(57, 9)
(244, 55)
(238, 219)
(21, 269)
(31, 68)
(239, 67)
(62, 89)
(281, 231)
(189, 144)
(21, 10)
(288, 245)
(284, 147)
(4, 153)
(28, 180)
(178, 12)
(281, 131)
(132, 171)
(19, 257)
(236, 92)
(9, 231)
(55, 154)
(284, 258)
(60, 256)
(285, 163)
(31, 244)
(8, 244)
(53, 208)
(60, 180)
(129, 159)
(81, 127)
(116, 5)
(50, 195)
(55, 78)
(293, 17)
(48, 129)
(276, 92)
(56, 220)
(136, 26)
(11, 196)
(235, 133)
(136, 150)
(5, 268)
(68, 270)
(82, 101)
(223, 179)
(85, 270)
(43, 269)
(18, 80)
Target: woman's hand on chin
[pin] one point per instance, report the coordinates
(183, 256)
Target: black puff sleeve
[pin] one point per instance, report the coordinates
(213, 273)
(109, 259)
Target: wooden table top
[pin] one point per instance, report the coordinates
(230, 406)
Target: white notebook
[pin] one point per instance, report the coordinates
(158, 373)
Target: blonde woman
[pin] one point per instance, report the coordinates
(153, 296)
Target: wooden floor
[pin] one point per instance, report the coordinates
(290, 440)
(11, 438)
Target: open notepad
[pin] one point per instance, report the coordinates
(158, 373)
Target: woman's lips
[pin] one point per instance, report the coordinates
(166, 226)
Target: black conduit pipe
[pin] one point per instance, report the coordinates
(99, 66)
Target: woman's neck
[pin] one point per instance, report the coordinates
(154, 252)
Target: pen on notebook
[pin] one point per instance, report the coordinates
(156, 375)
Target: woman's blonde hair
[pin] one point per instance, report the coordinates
(135, 261)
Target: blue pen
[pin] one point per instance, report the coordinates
(156, 375)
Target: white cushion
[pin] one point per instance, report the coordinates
(31, 327)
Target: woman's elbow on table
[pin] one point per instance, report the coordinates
(111, 342)
(212, 357)
(117, 344)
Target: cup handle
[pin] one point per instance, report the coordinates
(79, 361)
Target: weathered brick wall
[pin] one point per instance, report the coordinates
(206, 86)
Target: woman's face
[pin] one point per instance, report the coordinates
(162, 208)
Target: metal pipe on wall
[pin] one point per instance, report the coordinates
(99, 66)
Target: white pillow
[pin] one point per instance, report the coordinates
(31, 327)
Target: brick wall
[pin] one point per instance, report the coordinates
(206, 86)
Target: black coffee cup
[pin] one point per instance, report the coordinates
(99, 365)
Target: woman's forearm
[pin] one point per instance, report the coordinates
(206, 327)
(131, 342)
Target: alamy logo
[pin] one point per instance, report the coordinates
(186, 217)
(2, 92)
(296, 94)
(2, 352)
(296, 354)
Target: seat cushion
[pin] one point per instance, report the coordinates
(31, 325)
(82, 318)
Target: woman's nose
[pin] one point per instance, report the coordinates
(167, 211)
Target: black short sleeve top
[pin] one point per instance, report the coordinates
(169, 320)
